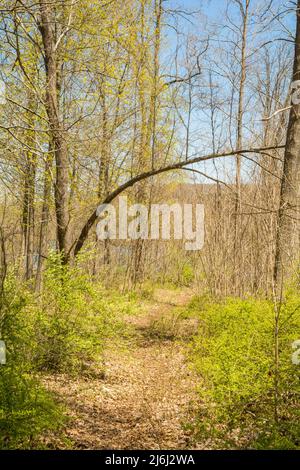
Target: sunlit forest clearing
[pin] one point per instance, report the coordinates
(149, 224)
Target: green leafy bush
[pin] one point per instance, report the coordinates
(26, 409)
(62, 329)
(233, 353)
(74, 320)
(187, 274)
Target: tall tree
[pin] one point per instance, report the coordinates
(287, 240)
(51, 44)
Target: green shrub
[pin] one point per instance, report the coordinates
(63, 329)
(26, 409)
(187, 274)
(145, 291)
(74, 319)
(233, 353)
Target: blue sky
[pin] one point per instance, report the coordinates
(211, 13)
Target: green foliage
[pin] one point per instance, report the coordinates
(63, 329)
(75, 319)
(198, 304)
(181, 274)
(146, 292)
(187, 274)
(26, 409)
(233, 352)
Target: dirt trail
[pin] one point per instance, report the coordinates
(146, 395)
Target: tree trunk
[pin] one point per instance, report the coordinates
(56, 128)
(104, 166)
(29, 188)
(237, 252)
(28, 213)
(42, 251)
(287, 240)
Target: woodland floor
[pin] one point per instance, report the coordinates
(147, 393)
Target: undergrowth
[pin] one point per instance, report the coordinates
(64, 329)
(233, 354)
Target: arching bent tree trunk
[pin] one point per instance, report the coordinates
(85, 230)
(56, 128)
(287, 241)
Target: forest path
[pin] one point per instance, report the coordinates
(148, 391)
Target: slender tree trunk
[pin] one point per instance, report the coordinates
(136, 272)
(3, 267)
(56, 127)
(104, 166)
(155, 84)
(238, 258)
(42, 250)
(29, 187)
(28, 213)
